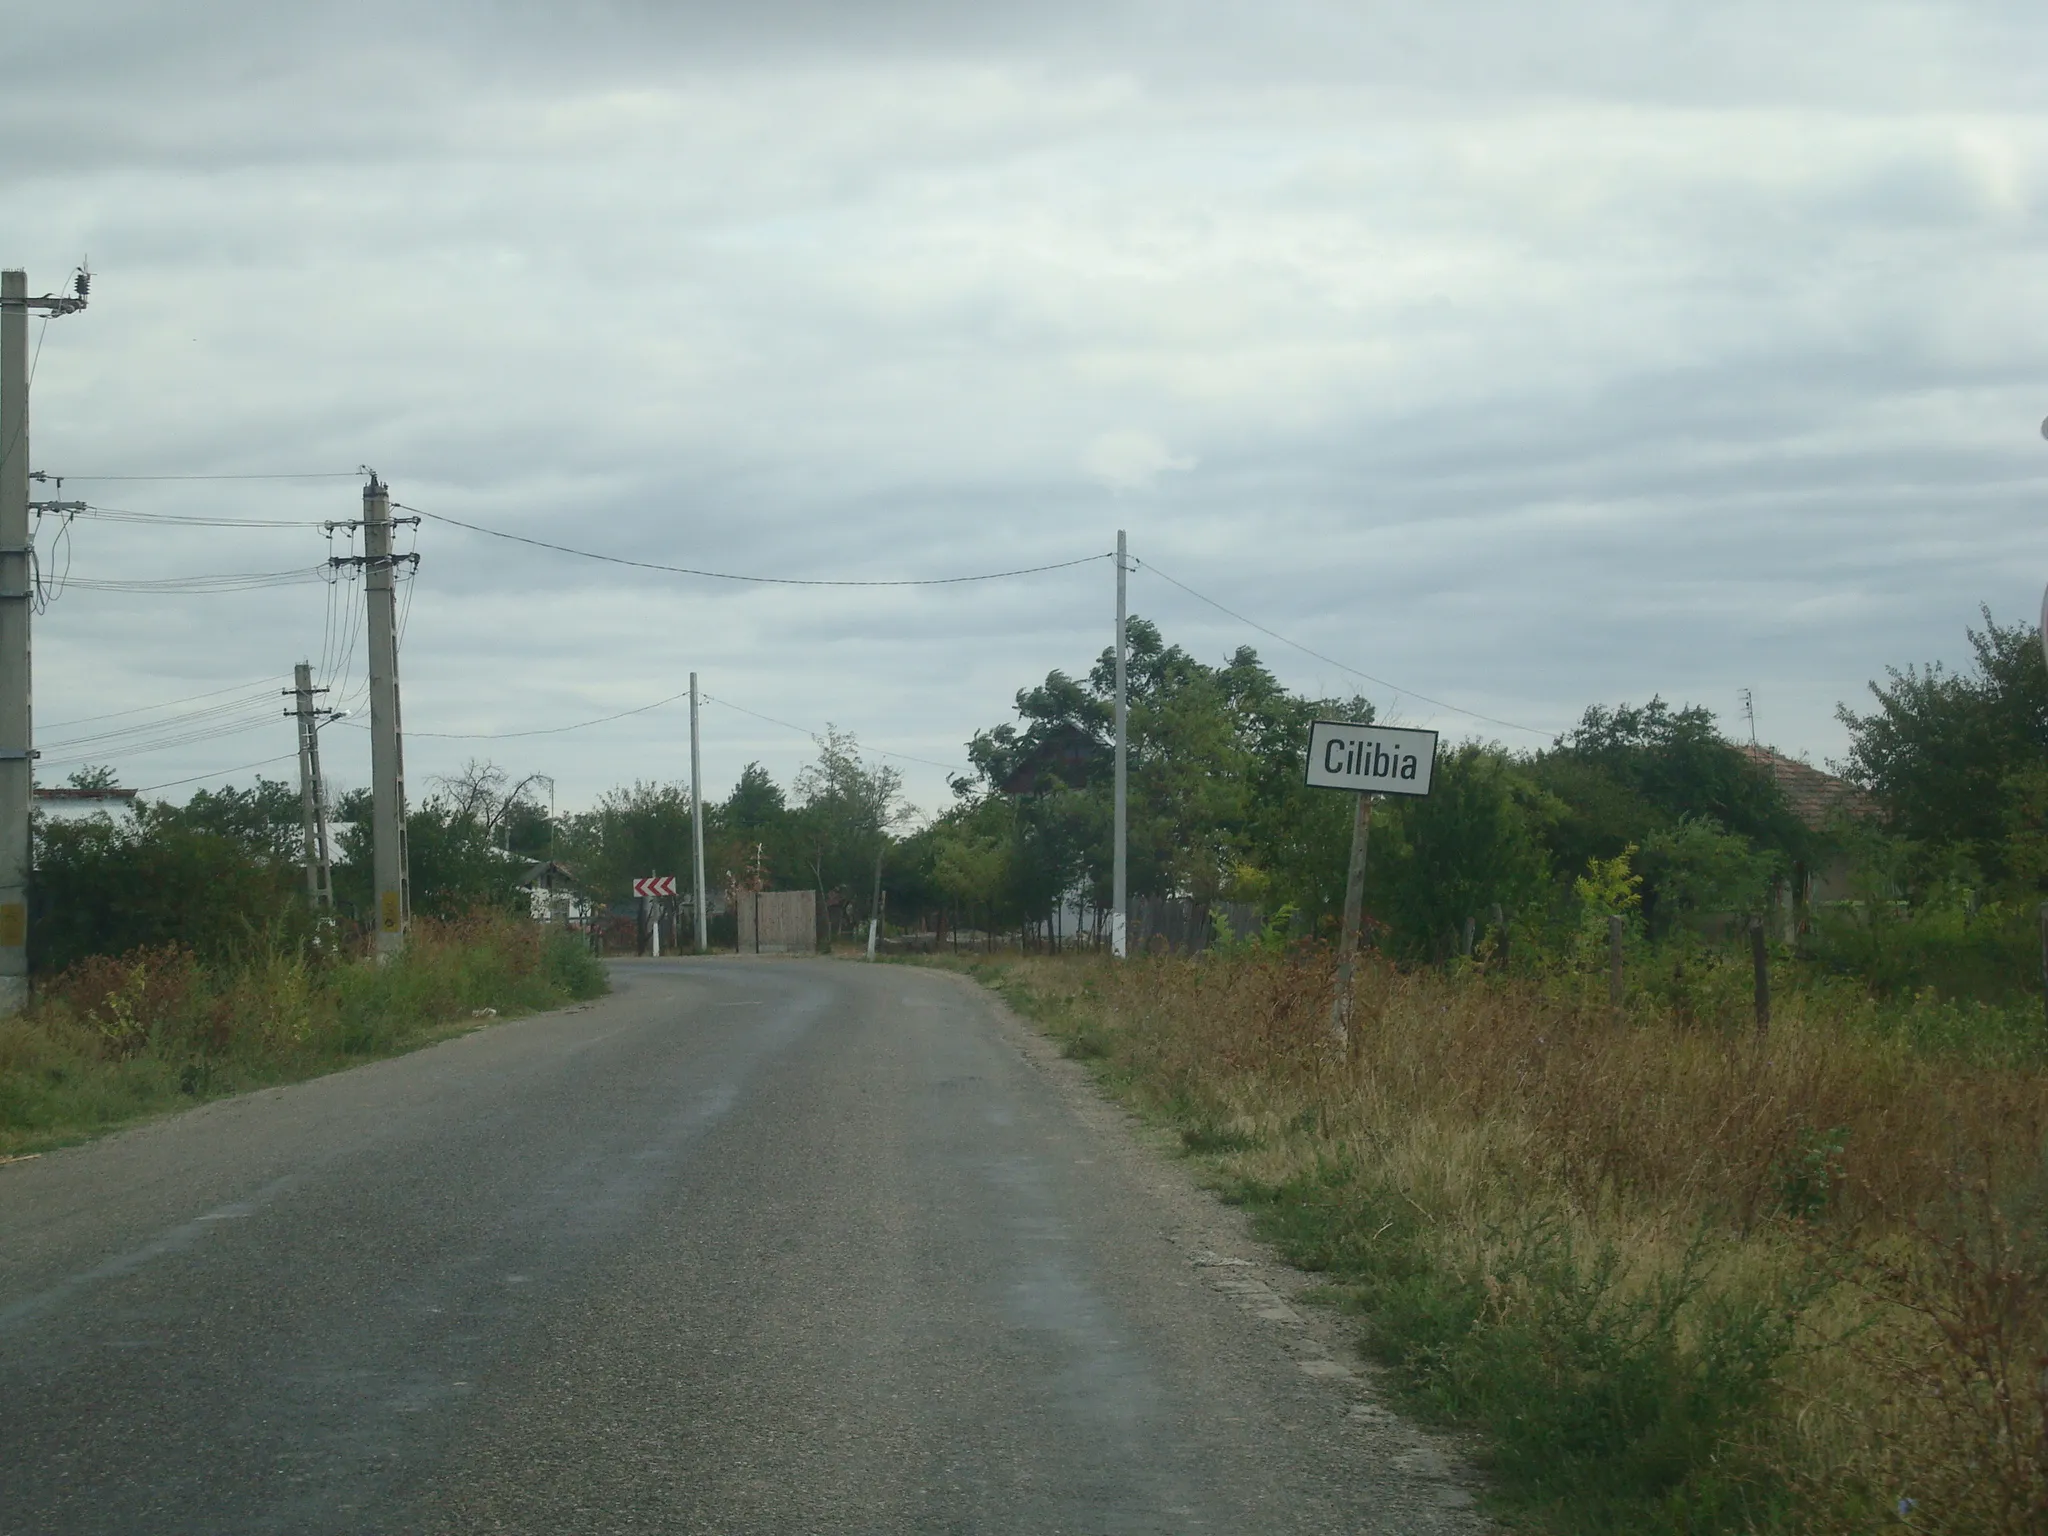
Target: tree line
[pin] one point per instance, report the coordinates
(1647, 809)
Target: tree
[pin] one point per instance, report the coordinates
(106, 887)
(1950, 754)
(1630, 773)
(641, 830)
(845, 812)
(506, 810)
(266, 821)
(1475, 841)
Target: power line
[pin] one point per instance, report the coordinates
(1331, 660)
(180, 520)
(59, 725)
(338, 474)
(218, 581)
(150, 789)
(215, 712)
(772, 581)
(547, 730)
(802, 731)
(163, 744)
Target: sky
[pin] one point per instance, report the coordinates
(1519, 358)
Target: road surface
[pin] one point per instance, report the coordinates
(784, 1247)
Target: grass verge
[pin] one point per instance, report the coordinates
(1679, 1277)
(117, 1039)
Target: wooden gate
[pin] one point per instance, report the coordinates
(778, 922)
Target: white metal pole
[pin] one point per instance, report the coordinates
(17, 738)
(697, 821)
(387, 753)
(1119, 878)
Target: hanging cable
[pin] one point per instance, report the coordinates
(180, 520)
(150, 789)
(219, 581)
(546, 730)
(335, 474)
(772, 581)
(814, 735)
(1455, 709)
(59, 725)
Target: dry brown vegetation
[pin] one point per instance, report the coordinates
(1824, 1245)
(113, 1038)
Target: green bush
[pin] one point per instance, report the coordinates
(111, 1038)
(1621, 1411)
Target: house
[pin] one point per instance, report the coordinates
(66, 804)
(553, 895)
(1065, 756)
(1817, 799)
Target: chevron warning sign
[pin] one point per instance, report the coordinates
(655, 885)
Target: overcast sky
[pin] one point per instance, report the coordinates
(1523, 357)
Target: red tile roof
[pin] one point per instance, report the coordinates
(1813, 796)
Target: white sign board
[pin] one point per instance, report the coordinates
(1377, 759)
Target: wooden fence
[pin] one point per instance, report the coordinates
(778, 922)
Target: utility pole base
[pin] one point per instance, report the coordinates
(13, 995)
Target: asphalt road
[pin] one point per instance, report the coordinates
(748, 1246)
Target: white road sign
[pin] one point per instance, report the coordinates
(1379, 759)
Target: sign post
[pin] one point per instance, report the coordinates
(647, 887)
(1367, 760)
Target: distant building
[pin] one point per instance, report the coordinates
(1067, 756)
(553, 895)
(1817, 799)
(66, 804)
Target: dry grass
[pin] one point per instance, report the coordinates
(1881, 1200)
(118, 1037)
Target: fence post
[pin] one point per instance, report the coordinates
(1470, 924)
(1760, 958)
(1500, 935)
(1614, 930)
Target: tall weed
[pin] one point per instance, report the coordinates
(113, 1037)
(1683, 1277)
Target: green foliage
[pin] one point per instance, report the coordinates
(1941, 948)
(1700, 869)
(1474, 842)
(630, 832)
(1956, 756)
(102, 886)
(455, 863)
(266, 822)
(1606, 1409)
(111, 1038)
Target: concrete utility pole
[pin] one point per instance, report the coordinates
(1119, 881)
(387, 748)
(17, 734)
(312, 812)
(697, 822)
